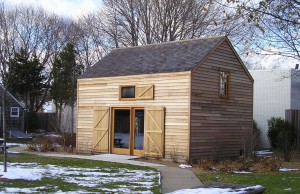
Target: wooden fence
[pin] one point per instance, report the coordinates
(38, 121)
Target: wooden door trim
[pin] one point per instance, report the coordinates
(130, 150)
(124, 151)
(134, 151)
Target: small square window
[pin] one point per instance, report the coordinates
(14, 112)
(224, 83)
(128, 92)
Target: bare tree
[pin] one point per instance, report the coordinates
(274, 26)
(90, 45)
(138, 22)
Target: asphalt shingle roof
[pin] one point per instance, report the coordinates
(174, 56)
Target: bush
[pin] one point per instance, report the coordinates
(271, 163)
(207, 164)
(281, 135)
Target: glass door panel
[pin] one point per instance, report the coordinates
(128, 131)
(138, 129)
(121, 133)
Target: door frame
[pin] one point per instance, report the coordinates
(130, 150)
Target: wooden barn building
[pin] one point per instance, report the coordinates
(183, 100)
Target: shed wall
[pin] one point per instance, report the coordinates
(171, 90)
(219, 125)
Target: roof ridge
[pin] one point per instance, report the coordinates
(170, 42)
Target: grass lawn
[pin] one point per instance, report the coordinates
(65, 175)
(287, 182)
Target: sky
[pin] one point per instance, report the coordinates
(77, 8)
(68, 8)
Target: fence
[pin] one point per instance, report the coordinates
(293, 116)
(38, 121)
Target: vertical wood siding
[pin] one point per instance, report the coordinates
(171, 90)
(219, 125)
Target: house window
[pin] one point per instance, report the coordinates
(127, 92)
(224, 83)
(14, 112)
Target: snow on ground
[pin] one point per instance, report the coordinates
(215, 190)
(263, 152)
(185, 166)
(12, 152)
(241, 172)
(16, 144)
(287, 169)
(85, 177)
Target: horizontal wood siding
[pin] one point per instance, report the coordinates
(219, 125)
(12, 123)
(171, 90)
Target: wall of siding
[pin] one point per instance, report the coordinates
(171, 90)
(12, 123)
(219, 125)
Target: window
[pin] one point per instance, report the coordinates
(14, 112)
(127, 92)
(224, 83)
(137, 92)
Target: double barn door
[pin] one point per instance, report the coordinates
(130, 131)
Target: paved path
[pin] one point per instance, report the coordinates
(172, 178)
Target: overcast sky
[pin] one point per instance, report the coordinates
(69, 8)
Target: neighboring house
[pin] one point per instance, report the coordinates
(14, 112)
(274, 92)
(186, 100)
(48, 107)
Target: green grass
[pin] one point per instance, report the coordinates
(274, 182)
(54, 184)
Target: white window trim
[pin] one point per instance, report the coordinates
(18, 111)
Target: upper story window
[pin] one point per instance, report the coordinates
(137, 92)
(14, 112)
(224, 89)
(127, 92)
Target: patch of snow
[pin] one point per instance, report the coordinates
(263, 152)
(53, 135)
(185, 166)
(241, 172)
(21, 172)
(13, 152)
(215, 190)
(85, 177)
(16, 144)
(287, 169)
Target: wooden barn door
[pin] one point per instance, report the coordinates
(154, 131)
(100, 129)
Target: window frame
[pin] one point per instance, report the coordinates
(126, 86)
(226, 84)
(18, 112)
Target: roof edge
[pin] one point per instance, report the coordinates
(240, 60)
(211, 50)
(169, 42)
(12, 96)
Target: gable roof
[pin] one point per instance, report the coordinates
(10, 96)
(176, 56)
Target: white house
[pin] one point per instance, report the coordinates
(274, 92)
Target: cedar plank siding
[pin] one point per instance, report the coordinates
(171, 90)
(219, 125)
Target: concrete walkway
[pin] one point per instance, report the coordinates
(172, 178)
